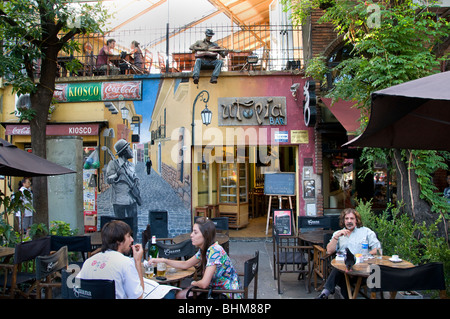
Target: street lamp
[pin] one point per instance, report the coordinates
(124, 112)
(206, 113)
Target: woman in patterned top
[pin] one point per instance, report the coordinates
(215, 264)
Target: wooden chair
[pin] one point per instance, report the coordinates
(162, 65)
(86, 288)
(423, 277)
(322, 262)
(48, 271)
(250, 274)
(12, 276)
(290, 257)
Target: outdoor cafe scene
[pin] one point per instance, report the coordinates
(204, 149)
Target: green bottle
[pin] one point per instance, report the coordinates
(153, 250)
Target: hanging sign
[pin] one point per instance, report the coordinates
(98, 91)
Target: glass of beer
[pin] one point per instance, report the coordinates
(161, 269)
(149, 270)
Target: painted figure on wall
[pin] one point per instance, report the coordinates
(121, 175)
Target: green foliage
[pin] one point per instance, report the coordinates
(399, 235)
(60, 228)
(30, 28)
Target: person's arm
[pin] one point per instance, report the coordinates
(331, 247)
(206, 279)
(138, 252)
(180, 264)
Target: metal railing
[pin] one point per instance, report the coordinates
(166, 50)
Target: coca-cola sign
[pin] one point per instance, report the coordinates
(98, 91)
(112, 91)
(63, 129)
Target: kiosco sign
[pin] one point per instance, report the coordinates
(98, 91)
(63, 129)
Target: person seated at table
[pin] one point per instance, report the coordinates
(206, 54)
(102, 58)
(112, 262)
(215, 264)
(137, 55)
(350, 236)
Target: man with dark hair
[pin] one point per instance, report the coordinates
(113, 264)
(102, 58)
(351, 236)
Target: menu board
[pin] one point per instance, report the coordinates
(279, 184)
(283, 221)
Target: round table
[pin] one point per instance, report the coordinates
(176, 276)
(362, 270)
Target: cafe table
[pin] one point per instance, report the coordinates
(314, 237)
(362, 270)
(6, 251)
(175, 275)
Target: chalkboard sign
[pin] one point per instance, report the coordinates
(279, 184)
(282, 221)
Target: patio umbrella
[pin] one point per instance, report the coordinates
(16, 162)
(411, 115)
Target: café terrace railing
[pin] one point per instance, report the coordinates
(166, 50)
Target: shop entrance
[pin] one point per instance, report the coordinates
(230, 181)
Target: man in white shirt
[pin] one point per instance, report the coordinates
(113, 264)
(350, 236)
(27, 198)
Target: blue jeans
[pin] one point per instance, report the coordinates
(199, 63)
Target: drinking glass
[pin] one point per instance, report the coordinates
(161, 269)
(379, 253)
(149, 270)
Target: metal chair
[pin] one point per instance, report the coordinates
(423, 277)
(48, 270)
(290, 257)
(12, 276)
(251, 267)
(86, 288)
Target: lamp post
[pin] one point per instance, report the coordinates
(206, 113)
(124, 112)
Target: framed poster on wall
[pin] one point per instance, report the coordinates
(283, 220)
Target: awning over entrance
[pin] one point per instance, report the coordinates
(345, 113)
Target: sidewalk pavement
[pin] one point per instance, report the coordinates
(242, 249)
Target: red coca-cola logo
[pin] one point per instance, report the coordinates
(121, 91)
(60, 93)
(20, 130)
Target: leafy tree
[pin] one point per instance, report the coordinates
(38, 30)
(393, 42)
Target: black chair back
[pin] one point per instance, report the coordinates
(326, 239)
(47, 265)
(87, 288)
(424, 277)
(29, 250)
(251, 273)
(175, 251)
(221, 223)
(73, 243)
